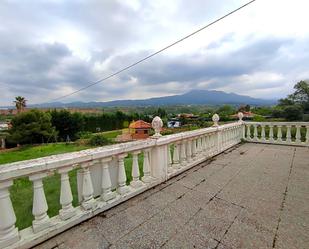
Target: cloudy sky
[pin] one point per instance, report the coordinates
(51, 48)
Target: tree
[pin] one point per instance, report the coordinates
(20, 103)
(67, 124)
(32, 127)
(299, 97)
(293, 113)
(301, 94)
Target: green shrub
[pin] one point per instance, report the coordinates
(258, 118)
(99, 140)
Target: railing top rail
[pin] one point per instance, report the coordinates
(278, 123)
(50, 163)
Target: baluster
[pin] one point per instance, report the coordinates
(263, 137)
(271, 133)
(288, 134)
(146, 167)
(212, 143)
(39, 209)
(87, 187)
(205, 145)
(189, 150)
(107, 193)
(194, 152)
(255, 133)
(248, 131)
(307, 135)
(279, 134)
(176, 163)
(122, 177)
(8, 231)
(197, 146)
(67, 211)
(169, 158)
(183, 155)
(136, 182)
(298, 135)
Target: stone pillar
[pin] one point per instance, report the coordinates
(176, 160)
(107, 193)
(288, 134)
(8, 231)
(88, 202)
(39, 209)
(122, 177)
(66, 197)
(136, 182)
(183, 156)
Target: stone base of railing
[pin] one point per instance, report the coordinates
(302, 144)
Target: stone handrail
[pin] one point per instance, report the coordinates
(102, 179)
(289, 133)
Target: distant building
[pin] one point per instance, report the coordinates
(248, 115)
(4, 126)
(139, 129)
(173, 124)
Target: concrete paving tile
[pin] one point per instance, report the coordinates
(242, 235)
(188, 240)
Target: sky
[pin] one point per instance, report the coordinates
(50, 48)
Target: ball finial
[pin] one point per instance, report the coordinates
(157, 125)
(240, 116)
(215, 119)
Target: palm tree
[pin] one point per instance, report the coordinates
(20, 103)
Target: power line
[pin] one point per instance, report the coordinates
(153, 54)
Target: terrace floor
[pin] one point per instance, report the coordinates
(251, 196)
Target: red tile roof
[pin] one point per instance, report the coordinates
(140, 124)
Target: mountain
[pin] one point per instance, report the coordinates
(194, 97)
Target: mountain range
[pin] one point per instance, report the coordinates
(194, 97)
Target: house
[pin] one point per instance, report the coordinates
(139, 129)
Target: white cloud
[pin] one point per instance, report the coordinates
(58, 46)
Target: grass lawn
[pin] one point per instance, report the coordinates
(21, 191)
(110, 134)
(31, 152)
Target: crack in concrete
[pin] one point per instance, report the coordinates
(283, 200)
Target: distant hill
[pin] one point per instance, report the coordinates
(194, 97)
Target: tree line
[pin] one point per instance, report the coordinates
(36, 126)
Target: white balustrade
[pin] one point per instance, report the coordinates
(136, 182)
(183, 155)
(88, 202)
(271, 133)
(67, 211)
(102, 180)
(107, 193)
(146, 167)
(298, 135)
(122, 177)
(288, 134)
(8, 232)
(176, 158)
(279, 133)
(263, 134)
(39, 209)
(189, 150)
(307, 135)
(169, 157)
(248, 132)
(283, 132)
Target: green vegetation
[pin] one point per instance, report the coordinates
(32, 127)
(30, 152)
